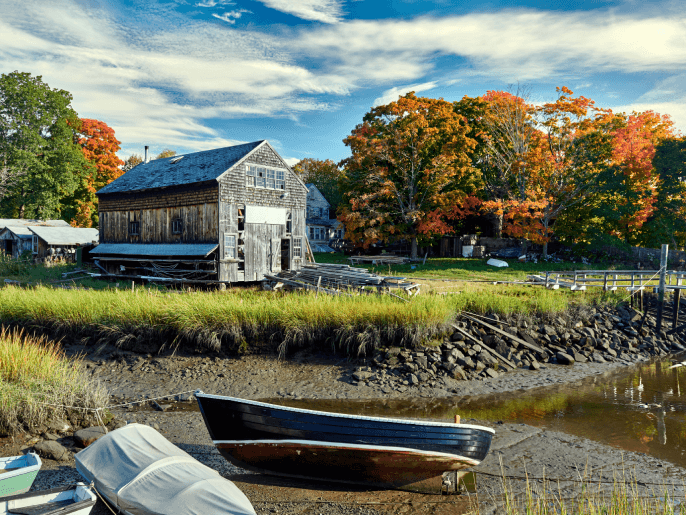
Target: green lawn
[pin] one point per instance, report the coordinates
(465, 269)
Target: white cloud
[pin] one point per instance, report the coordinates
(212, 3)
(231, 16)
(391, 95)
(326, 11)
(291, 161)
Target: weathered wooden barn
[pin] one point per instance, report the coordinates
(60, 243)
(15, 236)
(229, 214)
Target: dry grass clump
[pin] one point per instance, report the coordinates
(34, 372)
(624, 495)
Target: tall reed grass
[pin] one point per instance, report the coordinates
(34, 373)
(240, 317)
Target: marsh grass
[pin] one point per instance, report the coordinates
(33, 373)
(623, 495)
(154, 320)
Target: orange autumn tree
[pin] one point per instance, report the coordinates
(99, 146)
(634, 144)
(410, 167)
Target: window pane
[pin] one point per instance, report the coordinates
(260, 182)
(270, 174)
(270, 184)
(280, 175)
(251, 181)
(260, 171)
(251, 171)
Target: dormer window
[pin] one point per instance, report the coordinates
(177, 226)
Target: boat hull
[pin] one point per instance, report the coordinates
(390, 453)
(75, 499)
(17, 473)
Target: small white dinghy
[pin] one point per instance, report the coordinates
(141, 473)
(75, 499)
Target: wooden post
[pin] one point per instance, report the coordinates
(604, 281)
(677, 299)
(457, 419)
(132, 283)
(547, 276)
(319, 283)
(661, 289)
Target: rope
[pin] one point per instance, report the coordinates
(114, 405)
(92, 486)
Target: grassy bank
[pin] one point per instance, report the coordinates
(239, 318)
(33, 373)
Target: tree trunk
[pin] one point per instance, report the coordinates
(22, 208)
(413, 253)
(545, 249)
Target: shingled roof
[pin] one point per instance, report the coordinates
(192, 168)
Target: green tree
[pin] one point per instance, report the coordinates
(40, 163)
(325, 175)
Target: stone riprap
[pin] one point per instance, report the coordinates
(483, 347)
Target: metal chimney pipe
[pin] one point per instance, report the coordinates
(146, 154)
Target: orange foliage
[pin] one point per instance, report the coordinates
(100, 147)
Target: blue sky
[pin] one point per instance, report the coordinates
(198, 74)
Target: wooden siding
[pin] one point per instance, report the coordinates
(199, 225)
(258, 237)
(169, 197)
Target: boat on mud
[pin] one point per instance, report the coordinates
(17, 473)
(140, 472)
(318, 445)
(77, 499)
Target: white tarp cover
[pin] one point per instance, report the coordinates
(142, 473)
(265, 215)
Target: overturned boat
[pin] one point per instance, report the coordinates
(77, 499)
(141, 473)
(17, 473)
(374, 451)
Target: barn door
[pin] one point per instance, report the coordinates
(276, 255)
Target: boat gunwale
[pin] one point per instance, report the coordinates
(200, 393)
(380, 448)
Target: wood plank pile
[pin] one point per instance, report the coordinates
(384, 259)
(337, 277)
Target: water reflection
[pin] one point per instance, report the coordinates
(641, 409)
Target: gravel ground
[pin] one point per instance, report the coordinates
(312, 376)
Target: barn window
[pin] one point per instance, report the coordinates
(280, 180)
(297, 248)
(261, 177)
(177, 226)
(229, 246)
(312, 233)
(134, 228)
(34, 242)
(289, 222)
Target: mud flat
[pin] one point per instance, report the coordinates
(308, 379)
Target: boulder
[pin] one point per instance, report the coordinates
(421, 361)
(564, 359)
(491, 372)
(578, 357)
(52, 450)
(85, 437)
(414, 380)
(423, 376)
(361, 375)
(535, 365)
(58, 426)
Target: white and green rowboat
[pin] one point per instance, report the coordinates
(17, 473)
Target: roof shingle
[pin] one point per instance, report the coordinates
(193, 168)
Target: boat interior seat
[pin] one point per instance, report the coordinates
(48, 508)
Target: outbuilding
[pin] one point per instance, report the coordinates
(60, 243)
(225, 215)
(15, 236)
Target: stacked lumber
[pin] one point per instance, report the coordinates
(384, 259)
(337, 277)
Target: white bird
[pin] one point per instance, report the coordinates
(682, 364)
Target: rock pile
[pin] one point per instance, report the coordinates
(483, 347)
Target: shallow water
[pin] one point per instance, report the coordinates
(640, 409)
